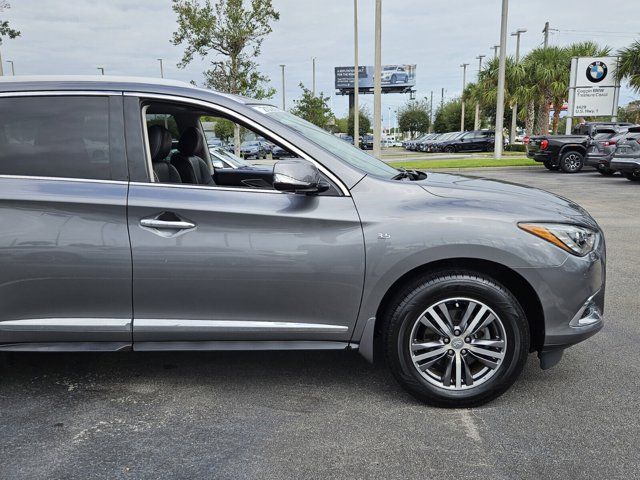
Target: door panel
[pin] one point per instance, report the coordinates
(65, 261)
(246, 265)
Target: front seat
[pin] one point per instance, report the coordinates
(192, 168)
(160, 147)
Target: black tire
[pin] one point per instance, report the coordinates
(450, 149)
(550, 166)
(632, 177)
(571, 161)
(403, 313)
(394, 79)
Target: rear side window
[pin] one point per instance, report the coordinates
(66, 137)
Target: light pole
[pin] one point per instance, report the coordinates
(514, 109)
(431, 114)
(495, 51)
(101, 70)
(283, 95)
(356, 86)
(464, 85)
(13, 70)
(476, 122)
(499, 144)
(377, 82)
(161, 69)
(313, 75)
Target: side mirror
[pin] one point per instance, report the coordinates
(298, 176)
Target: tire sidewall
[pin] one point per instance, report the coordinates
(565, 157)
(498, 299)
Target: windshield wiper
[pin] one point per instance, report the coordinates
(412, 175)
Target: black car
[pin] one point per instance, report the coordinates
(366, 142)
(626, 158)
(473, 141)
(567, 152)
(425, 143)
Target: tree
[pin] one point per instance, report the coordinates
(413, 117)
(5, 29)
(364, 124)
(223, 129)
(630, 113)
(314, 109)
(629, 66)
(232, 32)
(448, 117)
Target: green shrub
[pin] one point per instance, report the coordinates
(515, 147)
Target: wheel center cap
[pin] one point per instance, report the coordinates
(457, 343)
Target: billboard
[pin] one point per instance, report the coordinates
(594, 87)
(393, 77)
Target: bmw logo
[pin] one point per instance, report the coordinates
(596, 71)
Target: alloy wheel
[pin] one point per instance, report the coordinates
(573, 162)
(457, 343)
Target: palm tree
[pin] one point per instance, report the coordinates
(629, 66)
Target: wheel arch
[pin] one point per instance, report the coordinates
(574, 147)
(510, 279)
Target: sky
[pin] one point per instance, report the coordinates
(126, 37)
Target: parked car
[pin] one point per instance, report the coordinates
(221, 158)
(438, 144)
(567, 152)
(600, 150)
(473, 141)
(366, 142)
(253, 149)
(423, 144)
(394, 74)
(413, 144)
(626, 158)
(106, 246)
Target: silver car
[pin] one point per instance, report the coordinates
(109, 243)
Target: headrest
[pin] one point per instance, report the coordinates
(190, 142)
(159, 142)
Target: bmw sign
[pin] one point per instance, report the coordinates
(597, 71)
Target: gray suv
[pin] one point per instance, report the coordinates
(112, 242)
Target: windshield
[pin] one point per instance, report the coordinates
(343, 150)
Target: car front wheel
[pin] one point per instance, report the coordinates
(456, 339)
(634, 177)
(450, 149)
(571, 162)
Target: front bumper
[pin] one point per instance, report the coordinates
(572, 299)
(598, 160)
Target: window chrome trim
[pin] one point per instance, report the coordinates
(169, 325)
(206, 187)
(54, 93)
(63, 179)
(247, 121)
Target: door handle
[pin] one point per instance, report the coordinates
(166, 224)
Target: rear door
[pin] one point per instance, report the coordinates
(214, 263)
(65, 260)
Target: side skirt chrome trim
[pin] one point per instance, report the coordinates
(229, 326)
(67, 347)
(239, 345)
(67, 325)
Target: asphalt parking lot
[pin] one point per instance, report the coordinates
(332, 415)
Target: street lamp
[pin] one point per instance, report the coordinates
(13, 70)
(495, 51)
(283, 96)
(356, 79)
(499, 144)
(377, 81)
(476, 122)
(313, 71)
(101, 70)
(514, 109)
(464, 85)
(161, 69)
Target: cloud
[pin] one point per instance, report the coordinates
(126, 37)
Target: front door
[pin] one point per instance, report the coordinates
(213, 263)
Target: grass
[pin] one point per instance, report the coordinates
(466, 163)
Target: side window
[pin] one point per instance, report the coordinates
(57, 136)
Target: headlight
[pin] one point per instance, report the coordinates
(572, 238)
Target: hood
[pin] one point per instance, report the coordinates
(529, 203)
